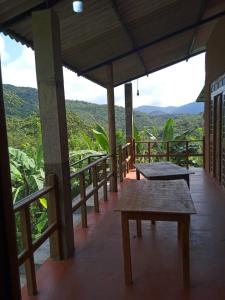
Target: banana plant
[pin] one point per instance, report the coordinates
(102, 138)
(27, 176)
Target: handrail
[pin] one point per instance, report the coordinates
(167, 153)
(31, 198)
(169, 141)
(22, 207)
(125, 157)
(89, 166)
(86, 158)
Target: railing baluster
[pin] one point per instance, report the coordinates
(168, 150)
(120, 163)
(149, 152)
(27, 243)
(187, 155)
(89, 172)
(95, 185)
(124, 162)
(53, 216)
(105, 191)
(83, 199)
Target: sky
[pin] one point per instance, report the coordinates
(174, 86)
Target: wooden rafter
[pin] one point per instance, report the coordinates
(128, 32)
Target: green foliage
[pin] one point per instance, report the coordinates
(168, 133)
(101, 137)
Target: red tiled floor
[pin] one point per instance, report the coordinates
(96, 270)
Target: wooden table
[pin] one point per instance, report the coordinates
(156, 200)
(162, 171)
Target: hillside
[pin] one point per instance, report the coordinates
(190, 108)
(22, 103)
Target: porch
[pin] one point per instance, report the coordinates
(96, 270)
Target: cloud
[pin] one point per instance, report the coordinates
(176, 85)
(21, 71)
(3, 53)
(79, 88)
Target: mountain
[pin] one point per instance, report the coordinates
(191, 108)
(22, 102)
(155, 109)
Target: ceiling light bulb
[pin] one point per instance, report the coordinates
(78, 6)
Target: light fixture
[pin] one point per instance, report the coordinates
(78, 6)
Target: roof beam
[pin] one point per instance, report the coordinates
(193, 39)
(27, 13)
(128, 32)
(160, 68)
(156, 41)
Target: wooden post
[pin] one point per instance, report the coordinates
(95, 185)
(9, 274)
(134, 150)
(27, 244)
(112, 127)
(120, 163)
(46, 37)
(129, 116)
(54, 216)
(168, 151)
(83, 198)
(187, 154)
(149, 152)
(105, 192)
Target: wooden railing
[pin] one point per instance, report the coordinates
(26, 256)
(167, 150)
(125, 156)
(100, 175)
(85, 161)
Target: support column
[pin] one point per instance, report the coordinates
(9, 272)
(129, 117)
(46, 37)
(112, 127)
(128, 111)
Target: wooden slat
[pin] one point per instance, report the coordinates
(83, 199)
(95, 185)
(31, 198)
(44, 236)
(105, 181)
(22, 257)
(120, 161)
(27, 243)
(89, 166)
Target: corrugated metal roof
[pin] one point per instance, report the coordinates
(113, 30)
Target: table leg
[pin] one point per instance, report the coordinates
(187, 178)
(126, 249)
(137, 175)
(184, 231)
(139, 230)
